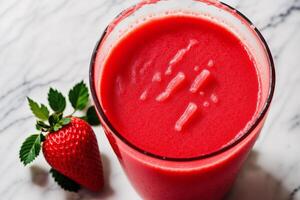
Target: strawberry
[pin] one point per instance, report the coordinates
(69, 143)
(73, 151)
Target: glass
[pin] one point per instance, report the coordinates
(206, 177)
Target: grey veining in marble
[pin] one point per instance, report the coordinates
(49, 42)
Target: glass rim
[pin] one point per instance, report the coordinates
(221, 150)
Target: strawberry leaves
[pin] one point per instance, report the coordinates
(31, 148)
(42, 126)
(57, 121)
(56, 101)
(64, 182)
(91, 116)
(79, 99)
(79, 96)
(40, 111)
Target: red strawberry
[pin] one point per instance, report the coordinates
(73, 151)
(69, 143)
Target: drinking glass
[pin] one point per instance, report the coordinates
(205, 177)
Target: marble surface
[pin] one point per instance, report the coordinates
(50, 43)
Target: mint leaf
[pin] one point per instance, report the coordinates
(41, 112)
(64, 182)
(30, 149)
(92, 117)
(56, 101)
(79, 96)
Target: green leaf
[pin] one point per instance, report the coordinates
(65, 121)
(41, 112)
(54, 119)
(30, 149)
(64, 182)
(39, 128)
(79, 96)
(92, 117)
(56, 122)
(42, 126)
(57, 126)
(56, 101)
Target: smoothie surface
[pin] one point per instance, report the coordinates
(179, 87)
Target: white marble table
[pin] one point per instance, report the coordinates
(49, 42)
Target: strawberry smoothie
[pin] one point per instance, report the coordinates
(182, 101)
(179, 87)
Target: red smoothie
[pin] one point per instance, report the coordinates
(182, 89)
(179, 87)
